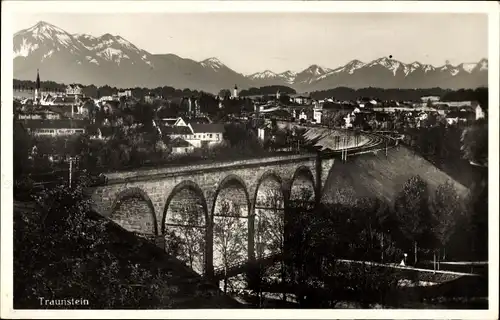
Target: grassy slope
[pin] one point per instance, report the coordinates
(378, 176)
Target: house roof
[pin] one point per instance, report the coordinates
(55, 124)
(175, 130)
(297, 95)
(168, 122)
(65, 100)
(280, 113)
(207, 127)
(337, 106)
(204, 120)
(180, 143)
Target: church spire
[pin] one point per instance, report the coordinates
(37, 80)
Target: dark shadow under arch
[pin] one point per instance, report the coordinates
(135, 192)
(227, 181)
(189, 185)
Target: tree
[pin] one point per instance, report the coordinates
(229, 236)
(270, 228)
(446, 205)
(412, 210)
(191, 237)
(224, 94)
(317, 239)
(475, 143)
(476, 222)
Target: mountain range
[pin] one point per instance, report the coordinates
(112, 60)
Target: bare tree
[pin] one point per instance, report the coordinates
(229, 236)
(446, 205)
(412, 210)
(191, 232)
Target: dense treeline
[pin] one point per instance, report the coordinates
(267, 90)
(339, 93)
(344, 93)
(96, 92)
(453, 148)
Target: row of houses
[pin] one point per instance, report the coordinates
(183, 136)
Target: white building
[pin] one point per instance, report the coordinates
(74, 90)
(263, 132)
(317, 114)
(303, 116)
(197, 134)
(61, 127)
(208, 135)
(124, 93)
(430, 98)
(181, 146)
(479, 112)
(235, 92)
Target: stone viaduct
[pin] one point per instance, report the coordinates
(158, 188)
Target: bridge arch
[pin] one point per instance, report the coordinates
(138, 216)
(184, 225)
(268, 176)
(230, 210)
(269, 215)
(302, 184)
(185, 185)
(231, 180)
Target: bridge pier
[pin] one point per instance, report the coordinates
(251, 232)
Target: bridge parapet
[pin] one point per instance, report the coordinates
(160, 173)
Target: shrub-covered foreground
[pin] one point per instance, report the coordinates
(64, 251)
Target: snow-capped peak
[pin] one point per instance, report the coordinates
(468, 67)
(264, 75)
(389, 63)
(83, 36)
(213, 63)
(43, 27)
(316, 70)
(483, 64)
(353, 65)
(288, 73)
(44, 35)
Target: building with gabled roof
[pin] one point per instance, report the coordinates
(60, 127)
(181, 146)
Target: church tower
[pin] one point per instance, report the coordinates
(37, 87)
(235, 92)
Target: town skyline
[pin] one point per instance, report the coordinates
(285, 53)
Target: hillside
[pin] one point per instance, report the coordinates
(178, 286)
(374, 175)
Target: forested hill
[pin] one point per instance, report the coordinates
(267, 90)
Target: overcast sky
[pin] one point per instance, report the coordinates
(252, 42)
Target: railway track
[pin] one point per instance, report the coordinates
(376, 142)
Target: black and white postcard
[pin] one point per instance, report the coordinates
(292, 158)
